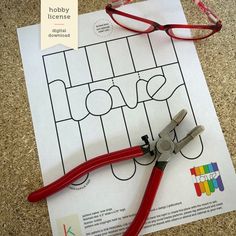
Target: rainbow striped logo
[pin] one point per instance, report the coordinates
(207, 179)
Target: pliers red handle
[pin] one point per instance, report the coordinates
(148, 199)
(85, 168)
(164, 147)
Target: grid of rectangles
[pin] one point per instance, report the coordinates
(126, 82)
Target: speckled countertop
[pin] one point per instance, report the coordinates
(19, 160)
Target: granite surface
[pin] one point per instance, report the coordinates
(19, 165)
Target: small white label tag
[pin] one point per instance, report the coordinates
(69, 226)
(59, 23)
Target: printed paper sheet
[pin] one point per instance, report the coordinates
(117, 87)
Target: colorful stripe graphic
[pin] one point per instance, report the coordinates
(206, 179)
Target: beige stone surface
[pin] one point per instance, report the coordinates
(19, 165)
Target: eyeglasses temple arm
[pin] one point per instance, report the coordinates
(118, 3)
(206, 10)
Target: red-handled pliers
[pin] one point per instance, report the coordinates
(163, 149)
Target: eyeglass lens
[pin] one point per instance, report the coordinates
(185, 33)
(132, 24)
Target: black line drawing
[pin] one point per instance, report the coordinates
(103, 104)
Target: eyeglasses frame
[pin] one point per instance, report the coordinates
(215, 27)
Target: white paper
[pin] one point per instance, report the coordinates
(103, 97)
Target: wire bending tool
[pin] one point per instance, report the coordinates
(163, 148)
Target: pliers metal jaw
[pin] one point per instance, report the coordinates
(165, 146)
(163, 149)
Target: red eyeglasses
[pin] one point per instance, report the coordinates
(177, 31)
